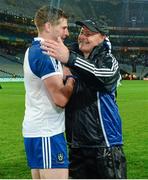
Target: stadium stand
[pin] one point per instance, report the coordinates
(127, 21)
(10, 68)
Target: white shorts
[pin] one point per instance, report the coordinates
(46, 152)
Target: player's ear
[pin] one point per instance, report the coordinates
(47, 26)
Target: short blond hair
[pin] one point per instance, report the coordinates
(48, 14)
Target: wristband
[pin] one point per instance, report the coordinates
(71, 76)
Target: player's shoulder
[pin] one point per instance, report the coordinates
(35, 51)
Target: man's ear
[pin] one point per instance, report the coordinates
(47, 27)
(104, 36)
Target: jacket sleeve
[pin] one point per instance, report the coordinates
(101, 70)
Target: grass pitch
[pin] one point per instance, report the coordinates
(133, 106)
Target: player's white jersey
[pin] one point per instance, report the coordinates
(42, 117)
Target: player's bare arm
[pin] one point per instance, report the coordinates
(59, 92)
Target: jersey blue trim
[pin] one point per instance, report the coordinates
(40, 63)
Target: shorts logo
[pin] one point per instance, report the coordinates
(60, 157)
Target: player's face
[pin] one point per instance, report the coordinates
(88, 40)
(60, 29)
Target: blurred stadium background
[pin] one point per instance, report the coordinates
(127, 20)
(128, 25)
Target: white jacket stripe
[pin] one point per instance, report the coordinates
(102, 72)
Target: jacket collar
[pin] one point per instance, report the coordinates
(97, 50)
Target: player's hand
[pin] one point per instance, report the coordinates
(66, 71)
(56, 49)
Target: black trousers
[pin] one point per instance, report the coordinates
(97, 163)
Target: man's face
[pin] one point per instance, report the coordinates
(88, 40)
(60, 30)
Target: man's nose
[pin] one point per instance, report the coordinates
(67, 33)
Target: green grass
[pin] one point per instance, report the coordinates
(133, 105)
(12, 155)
